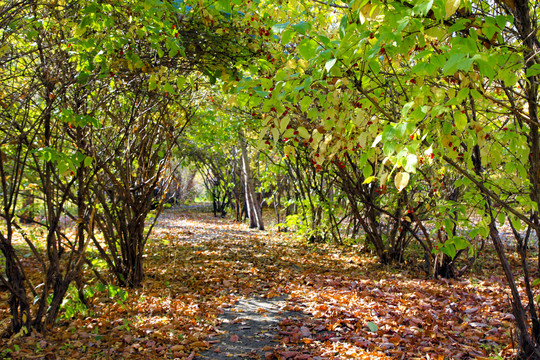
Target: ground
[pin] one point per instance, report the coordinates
(218, 290)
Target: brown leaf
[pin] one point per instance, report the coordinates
(176, 348)
(305, 331)
(288, 354)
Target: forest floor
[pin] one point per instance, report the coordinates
(218, 290)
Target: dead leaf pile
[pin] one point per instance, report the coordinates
(198, 265)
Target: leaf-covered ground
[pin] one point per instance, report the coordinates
(319, 301)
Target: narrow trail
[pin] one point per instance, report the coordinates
(251, 329)
(254, 323)
(285, 300)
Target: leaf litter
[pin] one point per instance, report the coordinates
(215, 289)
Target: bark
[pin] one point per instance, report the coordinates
(528, 348)
(528, 34)
(253, 206)
(18, 300)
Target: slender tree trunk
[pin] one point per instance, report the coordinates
(253, 207)
(528, 34)
(527, 346)
(18, 300)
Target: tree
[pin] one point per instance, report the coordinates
(61, 66)
(33, 147)
(132, 151)
(448, 82)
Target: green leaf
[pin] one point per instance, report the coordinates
(279, 28)
(423, 8)
(502, 218)
(224, 5)
(363, 160)
(389, 148)
(307, 48)
(168, 88)
(458, 25)
(533, 70)
(266, 84)
(82, 77)
(305, 102)
(462, 94)
(173, 52)
(301, 27)
(461, 243)
(152, 83)
(180, 81)
(367, 171)
(460, 120)
(343, 26)
(516, 223)
(449, 249)
(329, 64)
(388, 133)
(88, 161)
(283, 124)
(287, 36)
(372, 326)
(485, 68)
(451, 65)
(448, 225)
(302, 131)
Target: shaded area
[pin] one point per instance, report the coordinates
(251, 329)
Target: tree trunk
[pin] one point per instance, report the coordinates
(253, 207)
(18, 300)
(527, 346)
(133, 271)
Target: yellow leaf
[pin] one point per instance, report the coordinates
(460, 120)
(451, 7)
(370, 12)
(233, 101)
(401, 180)
(302, 131)
(369, 180)
(302, 63)
(291, 64)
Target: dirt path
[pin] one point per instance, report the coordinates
(251, 329)
(254, 326)
(215, 289)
